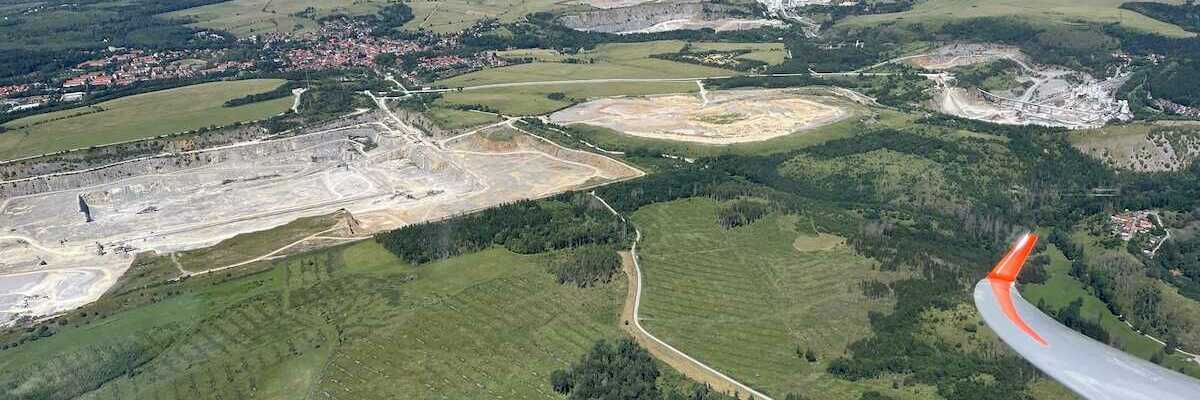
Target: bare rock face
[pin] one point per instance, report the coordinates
(643, 16)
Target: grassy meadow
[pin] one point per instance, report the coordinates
(744, 299)
(1048, 11)
(1060, 289)
(346, 322)
(535, 100)
(606, 61)
(249, 17)
(139, 116)
(609, 60)
(450, 118)
(446, 16)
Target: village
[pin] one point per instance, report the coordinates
(1143, 226)
(338, 44)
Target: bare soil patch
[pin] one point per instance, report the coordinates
(714, 117)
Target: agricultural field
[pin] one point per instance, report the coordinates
(542, 99)
(1047, 11)
(249, 17)
(606, 61)
(139, 116)
(441, 16)
(346, 322)
(1060, 289)
(745, 299)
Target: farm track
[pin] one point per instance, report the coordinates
(631, 323)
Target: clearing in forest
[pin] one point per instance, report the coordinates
(743, 300)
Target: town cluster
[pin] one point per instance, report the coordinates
(124, 67)
(116, 67)
(338, 44)
(1128, 225)
(351, 43)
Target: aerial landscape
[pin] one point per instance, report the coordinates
(600, 199)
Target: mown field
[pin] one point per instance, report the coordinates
(249, 17)
(348, 322)
(139, 116)
(744, 299)
(1049, 11)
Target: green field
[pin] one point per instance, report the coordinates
(139, 116)
(347, 322)
(450, 118)
(534, 100)
(606, 61)
(1061, 289)
(743, 299)
(248, 17)
(770, 53)
(248, 246)
(609, 60)
(446, 16)
(1050, 11)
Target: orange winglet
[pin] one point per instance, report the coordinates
(1009, 266)
(1003, 277)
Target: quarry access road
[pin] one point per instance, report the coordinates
(650, 80)
(602, 80)
(631, 323)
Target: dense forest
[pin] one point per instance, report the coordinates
(1176, 81)
(586, 265)
(624, 370)
(284, 90)
(527, 227)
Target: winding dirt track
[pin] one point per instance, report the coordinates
(680, 361)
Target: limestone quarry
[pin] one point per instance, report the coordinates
(65, 238)
(666, 16)
(1049, 95)
(713, 117)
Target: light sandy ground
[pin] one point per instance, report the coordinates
(615, 3)
(714, 117)
(1055, 96)
(719, 25)
(52, 259)
(962, 54)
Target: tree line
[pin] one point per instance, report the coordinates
(527, 227)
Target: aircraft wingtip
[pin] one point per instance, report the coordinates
(1010, 266)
